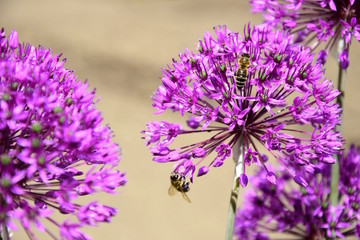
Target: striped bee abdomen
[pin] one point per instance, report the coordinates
(241, 74)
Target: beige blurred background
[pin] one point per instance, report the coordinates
(119, 46)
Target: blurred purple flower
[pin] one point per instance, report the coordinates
(283, 91)
(50, 130)
(315, 21)
(303, 212)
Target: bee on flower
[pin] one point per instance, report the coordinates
(284, 104)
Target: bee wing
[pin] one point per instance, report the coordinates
(186, 197)
(172, 191)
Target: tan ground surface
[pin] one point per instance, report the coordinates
(119, 46)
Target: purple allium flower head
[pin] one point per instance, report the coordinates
(303, 212)
(283, 90)
(49, 130)
(315, 21)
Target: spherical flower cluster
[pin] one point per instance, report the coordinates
(282, 90)
(50, 130)
(315, 21)
(305, 212)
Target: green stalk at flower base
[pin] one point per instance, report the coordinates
(4, 233)
(334, 185)
(334, 192)
(239, 159)
(232, 209)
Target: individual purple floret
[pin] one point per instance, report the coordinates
(303, 212)
(50, 132)
(315, 21)
(281, 91)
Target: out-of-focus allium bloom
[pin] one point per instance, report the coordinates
(304, 212)
(315, 22)
(283, 91)
(49, 130)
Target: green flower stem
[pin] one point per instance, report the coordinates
(334, 192)
(4, 233)
(335, 169)
(239, 159)
(232, 209)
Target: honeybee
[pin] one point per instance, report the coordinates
(178, 184)
(241, 74)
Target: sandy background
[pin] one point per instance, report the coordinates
(119, 46)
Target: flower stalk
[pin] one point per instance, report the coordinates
(4, 233)
(334, 185)
(238, 157)
(232, 209)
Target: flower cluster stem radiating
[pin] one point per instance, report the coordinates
(284, 90)
(315, 23)
(238, 157)
(5, 233)
(50, 129)
(303, 212)
(334, 187)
